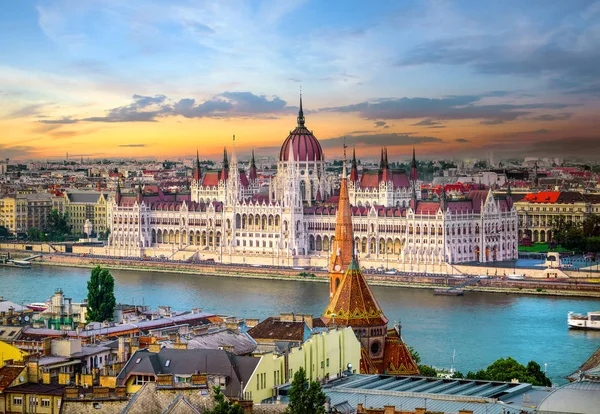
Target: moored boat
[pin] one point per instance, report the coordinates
(37, 306)
(590, 321)
(448, 292)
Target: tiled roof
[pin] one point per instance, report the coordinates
(353, 303)
(273, 329)
(8, 374)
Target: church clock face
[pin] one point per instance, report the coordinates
(374, 347)
(337, 267)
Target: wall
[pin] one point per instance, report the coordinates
(8, 352)
(323, 355)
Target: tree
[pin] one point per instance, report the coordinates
(414, 355)
(427, 371)
(305, 396)
(101, 296)
(507, 369)
(224, 406)
(4, 232)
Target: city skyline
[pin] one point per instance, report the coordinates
(103, 79)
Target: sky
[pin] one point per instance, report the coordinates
(454, 79)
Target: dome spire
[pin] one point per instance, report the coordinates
(300, 112)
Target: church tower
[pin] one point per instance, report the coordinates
(343, 245)
(353, 303)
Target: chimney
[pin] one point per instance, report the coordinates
(419, 410)
(389, 409)
(359, 408)
(100, 393)
(465, 412)
(164, 380)
(199, 379)
(121, 391)
(154, 348)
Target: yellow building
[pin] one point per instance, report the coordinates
(538, 211)
(82, 206)
(20, 212)
(33, 398)
(10, 353)
(324, 355)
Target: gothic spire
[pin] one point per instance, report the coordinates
(197, 171)
(225, 160)
(354, 167)
(300, 113)
(381, 160)
(414, 175)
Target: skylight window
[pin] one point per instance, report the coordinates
(137, 361)
(168, 363)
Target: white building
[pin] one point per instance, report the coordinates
(227, 215)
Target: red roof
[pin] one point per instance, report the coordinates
(304, 146)
(543, 197)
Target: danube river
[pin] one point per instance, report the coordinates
(481, 327)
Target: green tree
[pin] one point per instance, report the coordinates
(4, 232)
(414, 355)
(305, 396)
(427, 371)
(224, 406)
(101, 296)
(507, 369)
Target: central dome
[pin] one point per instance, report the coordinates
(303, 143)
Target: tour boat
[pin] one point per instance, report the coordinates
(448, 292)
(37, 306)
(515, 276)
(589, 321)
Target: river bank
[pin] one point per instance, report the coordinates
(536, 287)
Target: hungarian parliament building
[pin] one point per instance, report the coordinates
(229, 217)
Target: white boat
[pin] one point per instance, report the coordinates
(589, 321)
(515, 276)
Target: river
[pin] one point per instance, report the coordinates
(481, 327)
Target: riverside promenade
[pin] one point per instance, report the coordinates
(551, 287)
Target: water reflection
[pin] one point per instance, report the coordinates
(480, 326)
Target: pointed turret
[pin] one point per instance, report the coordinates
(381, 162)
(443, 199)
(225, 169)
(252, 174)
(197, 171)
(386, 174)
(139, 196)
(414, 175)
(354, 167)
(509, 200)
(342, 252)
(118, 192)
(300, 114)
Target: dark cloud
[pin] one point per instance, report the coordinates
(437, 126)
(426, 122)
(492, 122)
(497, 56)
(556, 117)
(461, 140)
(224, 105)
(132, 145)
(447, 108)
(381, 124)
(585, 147)
(65, 120)
(390, 139)
(25, 111)
(17, 151)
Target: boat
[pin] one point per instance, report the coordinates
(21, 263)
(37, 306)
(448, 292)
(515, 276)
(590, 321)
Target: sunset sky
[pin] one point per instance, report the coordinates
(132, 78)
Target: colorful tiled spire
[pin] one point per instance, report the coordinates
(342, 252)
